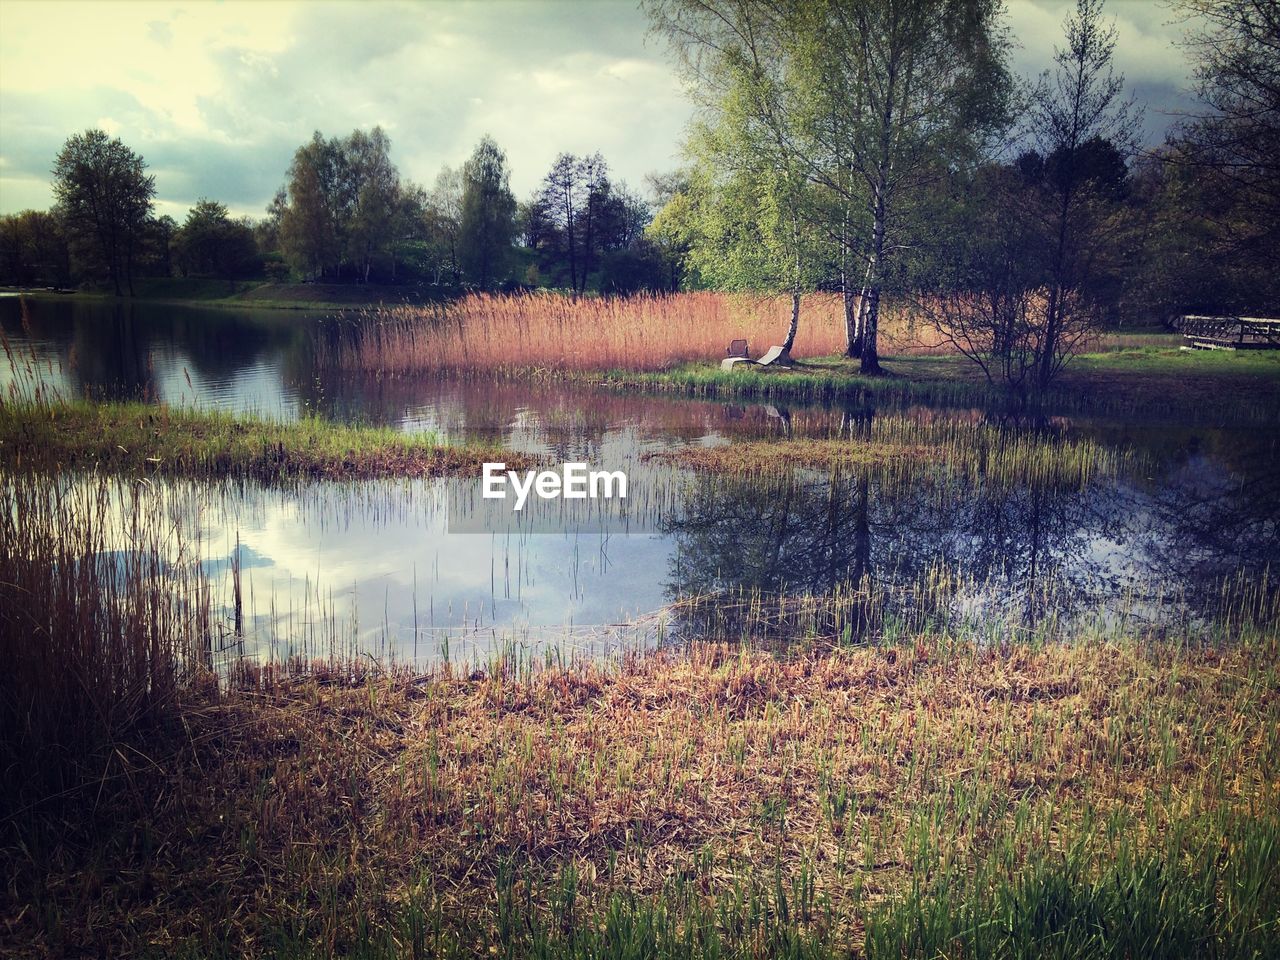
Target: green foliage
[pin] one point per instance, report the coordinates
(486, 223)
(104, 197)
(344, 207)
(34, 249)
(210, 243)
(838, 114)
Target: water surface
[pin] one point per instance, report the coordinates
(376, 566)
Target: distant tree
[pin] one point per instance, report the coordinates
(33, 249)
(310, 237)
(211, 244)
(534, 226)
(1230, 151)
(157, 258)
(374, 189)
(443, 212)
(1080, 131)
(561, 201)
(342, 208)
(666, 230)
(593, 175)
(487, 222)
(104, 197)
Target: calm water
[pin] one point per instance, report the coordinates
(375, 564)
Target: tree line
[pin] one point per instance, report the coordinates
(343, 214)
(879, 149)
(883, 149)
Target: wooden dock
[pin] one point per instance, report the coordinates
(1230, 333)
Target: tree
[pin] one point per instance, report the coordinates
(33, 249)
(748, 225)
(865, 99)
(157, 248)
(374, 188)
(1080, 131)
(342, 207)
(444, 222)
(104, 197)
(560, 203)
(309, 225)
(1232, 151)
(487, 223)
(211, 243)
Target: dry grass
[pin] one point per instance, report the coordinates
(327, 810)
(498, 333)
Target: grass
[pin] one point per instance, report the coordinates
(150, 440)
(252, 294)
(938, 795)
(935, 798)
(1149, 380)
(971, 449)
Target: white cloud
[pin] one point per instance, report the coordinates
(216, 96)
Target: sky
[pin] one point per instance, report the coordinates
(217, 94)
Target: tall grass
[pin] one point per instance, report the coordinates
(102, 619)
(494, 333)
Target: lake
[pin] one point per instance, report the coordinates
(380, 567)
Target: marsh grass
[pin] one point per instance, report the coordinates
(153, 440)
(105, 619)
(937, 794)
(968, 449)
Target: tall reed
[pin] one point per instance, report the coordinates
(504, 333)
(101, 620)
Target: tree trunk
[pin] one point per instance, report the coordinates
(795, 321)
(852, 330)
(795, 293)
(853, 342)
(871, 327)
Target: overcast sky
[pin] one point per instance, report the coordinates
(217, 95)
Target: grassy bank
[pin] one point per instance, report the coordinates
(1151, 379)
(254, 294)
(674, 343)
(976, 451)
(931, 799)
(144, 439)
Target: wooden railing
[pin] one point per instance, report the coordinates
(1242, 333)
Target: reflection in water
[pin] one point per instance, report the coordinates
(374, 566)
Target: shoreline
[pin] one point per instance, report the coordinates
(236, 299)
(152, 440)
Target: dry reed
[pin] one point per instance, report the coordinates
(503, 333)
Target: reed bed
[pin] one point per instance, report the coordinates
(103, 619)
(496, 333)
